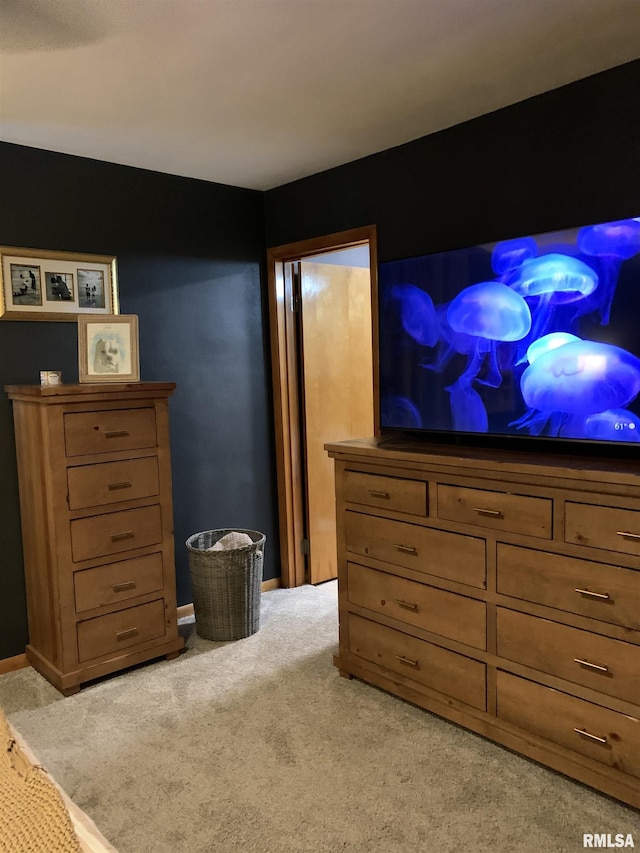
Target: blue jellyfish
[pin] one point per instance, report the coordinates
(578, 378)
(610, 425)
(510, 254)
(611, 239)
(417, 313)
(552, 279)
(566, 277)
(475, 348)
(548, 342)
(480, 318)
(613, 243)
(450, 342)
(490, 310)
(468, 411)
(399, 412)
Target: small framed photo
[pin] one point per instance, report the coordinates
(91, 292)
(38, 284)
(25, 289)
(59, 286)
(108, 348)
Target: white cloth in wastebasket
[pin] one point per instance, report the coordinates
(230, 541)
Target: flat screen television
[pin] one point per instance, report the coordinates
(524, 342)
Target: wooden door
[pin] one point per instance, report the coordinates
(337, 390)
(285, 321)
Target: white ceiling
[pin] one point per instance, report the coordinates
(256, 93)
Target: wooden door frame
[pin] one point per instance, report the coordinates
(284, 364)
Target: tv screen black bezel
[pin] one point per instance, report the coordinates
(494, 441)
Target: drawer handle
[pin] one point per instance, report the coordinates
(128, 632)
(592, 665)
(603, 596)
(626, 535)
(493, 513)
(117, 537)
(585, 733)
(121, 587)
(408, 605)
(116, 433)
(407, 661)
(376, 494)
(406, 549)
(113, 487)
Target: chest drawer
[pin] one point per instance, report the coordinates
(434, 552)
(440, 669)
(609, 666)
(435, 610)
(120, 630)
(598, 591)
(109, 430)
(110, 482)
(604, 527)
(117, 581)
(386, 492)
(496, 510)
(113, 532)
(601, 734)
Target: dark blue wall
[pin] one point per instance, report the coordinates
(565, 158)
(190, 264)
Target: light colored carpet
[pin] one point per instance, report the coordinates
(259, 745)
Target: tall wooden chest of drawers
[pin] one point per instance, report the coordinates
(501, 591)
(94, 475)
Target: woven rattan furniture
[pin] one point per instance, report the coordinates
(226, 584)
(36, 815)
(33, 815)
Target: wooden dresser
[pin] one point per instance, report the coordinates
(502, 592)
(94, 474)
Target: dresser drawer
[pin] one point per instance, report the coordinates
(435, 552)
(102, 535)
(435, 610)
(447, 672)
(589, 729)
(496, 510)
(386, 492)
(601, 663)
(598, 591)
(106, 431)
(609, 528)
(110, 482)
(117, 581)
(105, 635)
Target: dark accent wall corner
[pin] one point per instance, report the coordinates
(191, 266)
(565, 158)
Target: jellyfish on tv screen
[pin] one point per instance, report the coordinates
(533, 336)
(577, 378)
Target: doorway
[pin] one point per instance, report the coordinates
(322, 305)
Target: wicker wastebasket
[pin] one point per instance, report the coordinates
(226, 584)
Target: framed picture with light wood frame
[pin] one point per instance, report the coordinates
(108, 348)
